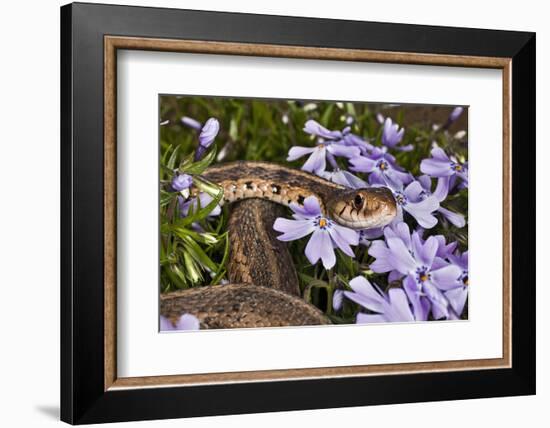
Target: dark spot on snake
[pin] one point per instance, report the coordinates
(342, 210)
(275, 188)
(301, 200)
(248, 185)
(236, 307)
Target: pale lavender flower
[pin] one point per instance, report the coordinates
(191, 123)
(426, 275)
(390, 307)
(448, 168)
(185, 322)
(440, 193)
(329, 142)
(181, 182)
(344, 178)
(208, 133)
(455, 114)
(381, 167)
(198, 203)
(392, 136)
(326, 234)
(351, 139)
(337, 299)
(412, 200)
(453, 117)
(457, 296)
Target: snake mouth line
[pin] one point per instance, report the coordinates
(381, 221)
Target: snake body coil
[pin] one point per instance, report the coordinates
(265, 290)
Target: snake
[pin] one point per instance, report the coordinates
(263, 288)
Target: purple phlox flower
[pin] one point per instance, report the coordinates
(442, 166)
(337, 299)
(453, 117)
(326, 234)
(367, 235)
(455, 114)
(379, 249)
(391, 307)
(191, 123)
(444, 250)
(207, 136)
(419, 205)
(382, 168)
(351, 139)
(457, 296)
(344, 178)
(197, 203)
(181, 182)
(426, 275)
(185, 322)
(329, 142)
(440, 193)
(392, 136)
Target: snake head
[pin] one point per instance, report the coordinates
(366, 208)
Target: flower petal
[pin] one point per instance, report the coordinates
(400, 257)
(422, 211)
(447, 277)
(413, 191)
(315, 128)
(399, 306)
(312, 206)
(188, 322)
(344, 237)
(365, 295)
(209, 132)
(362, 164)
(297, 152)
(380, 251)
(421, 305)
(292, 229)
(437, 299)
(344, 151)
(425, 252)
(439, 153)
(316, 162)
(442, 189)
(337, 299)
(456, 219)
(457, 299)
(369, 318)
(436, 168)
(166, 324)
(320, 247)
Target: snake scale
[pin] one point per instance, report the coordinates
(264, 289)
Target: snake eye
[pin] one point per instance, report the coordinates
(358, 201)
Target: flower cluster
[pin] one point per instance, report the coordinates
(427, 276)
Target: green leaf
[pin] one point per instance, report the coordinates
(172, 161)
(326, 115)
(195, 168)
(195, 251)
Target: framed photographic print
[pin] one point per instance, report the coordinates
(273, 213)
